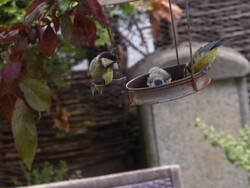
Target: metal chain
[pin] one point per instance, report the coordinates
(174, 32)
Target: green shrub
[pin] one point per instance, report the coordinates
(46, 173)
(236, 150)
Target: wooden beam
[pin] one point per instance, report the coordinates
(113, 2)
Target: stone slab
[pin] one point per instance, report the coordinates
(179, 142)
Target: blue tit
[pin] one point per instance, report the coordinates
(158, 77)
(101, 70)
(205, 56)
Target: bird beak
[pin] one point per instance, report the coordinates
(169, 81)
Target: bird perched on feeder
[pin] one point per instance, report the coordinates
(157, 77)
(101, 70)
(205, 56)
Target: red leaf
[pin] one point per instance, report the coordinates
(3, 87)
(11, 72)
(86, 29)
(11, 34)
(39, 31)
(20, 27)
(9, 37)
(48, 41)
(94, 7)
(33, 5)
(18, 48)
(7, 106)
(2, 29)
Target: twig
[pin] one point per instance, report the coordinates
(141, 35)
(132, 45)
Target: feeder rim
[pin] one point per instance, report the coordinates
(172, 84)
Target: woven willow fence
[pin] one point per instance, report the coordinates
(216, 19)
(97, 132)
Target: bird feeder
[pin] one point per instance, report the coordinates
(139, 93)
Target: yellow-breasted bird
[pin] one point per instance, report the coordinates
(157, 77)
(101, 70)
(205, 56)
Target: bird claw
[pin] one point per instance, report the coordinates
(187, 70)
(119, 81)
(92, 88)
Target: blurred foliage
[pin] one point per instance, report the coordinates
(127, 9)
(102, 34)
(61, 62)
(46, 173)
(236, 150)
(66, 56)
(12, 11)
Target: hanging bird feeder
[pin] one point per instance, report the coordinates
(139, 93)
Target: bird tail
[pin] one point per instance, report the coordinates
(222, 42)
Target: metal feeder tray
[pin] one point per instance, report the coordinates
(139, 93)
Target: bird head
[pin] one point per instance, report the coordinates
(158, 81)
(158, 77)
(108, 60)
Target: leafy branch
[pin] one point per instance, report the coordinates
(236, 149)
(24, 49)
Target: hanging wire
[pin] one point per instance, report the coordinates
(190, 41)
(110, 34)
(189, 30)
(174, 32)
(111, 38)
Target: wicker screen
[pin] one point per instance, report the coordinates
(97, 133)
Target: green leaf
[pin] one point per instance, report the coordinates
(102, 34)
(24, 132)
(34, 63)
(128, 8)
(36, 93)
(2, 2)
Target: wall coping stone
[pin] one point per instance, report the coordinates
(229, 62)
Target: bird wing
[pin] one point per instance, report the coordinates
(96, 72)
(207, 54)
(92, 65)
(203, 59)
